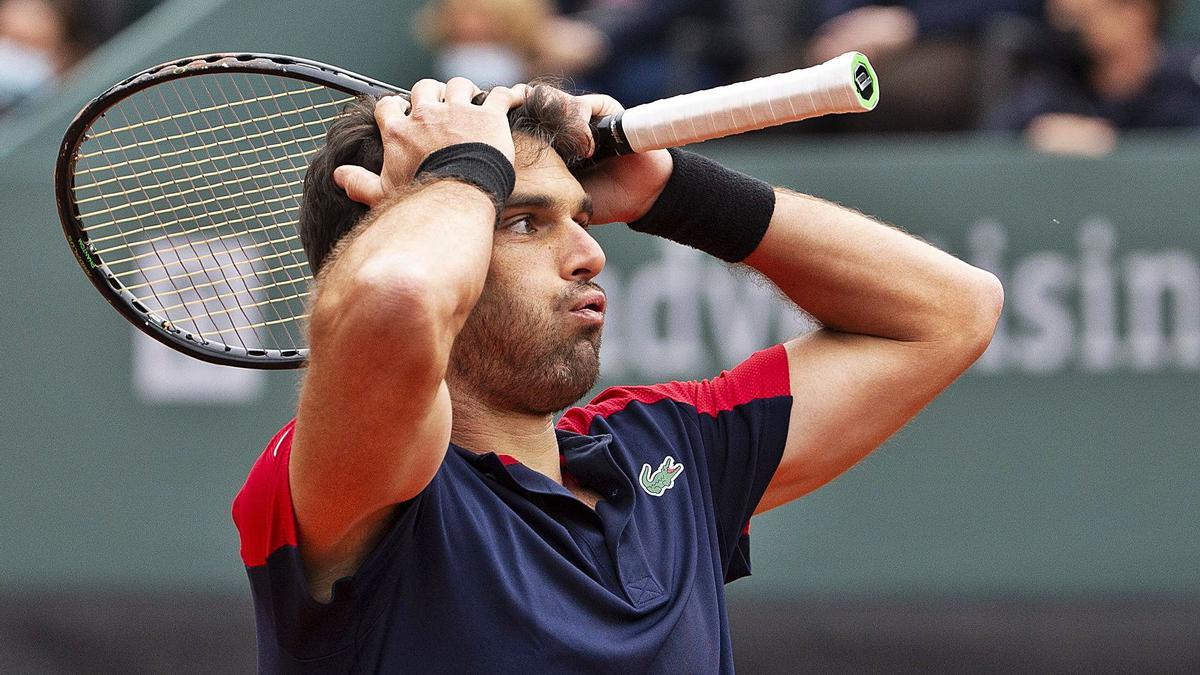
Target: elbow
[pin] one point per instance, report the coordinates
(984, 303)
(385, 304)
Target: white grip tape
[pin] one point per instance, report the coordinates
(745, 106)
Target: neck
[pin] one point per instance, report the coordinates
(530, 439)
(1121, 74)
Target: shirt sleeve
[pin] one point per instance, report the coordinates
(744, 415)
(305, 630)
(285, 611)
(741, 419)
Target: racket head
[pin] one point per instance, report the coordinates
(178, 190)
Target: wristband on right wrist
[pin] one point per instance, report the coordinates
(704, 205)
(477, 164)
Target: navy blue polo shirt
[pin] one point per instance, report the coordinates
(496, 568)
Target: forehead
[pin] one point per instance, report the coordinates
(540, 171)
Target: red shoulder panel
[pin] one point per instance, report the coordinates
(262, 509)
(763, 375)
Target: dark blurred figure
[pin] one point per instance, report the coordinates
(651, 48)
(106, 18)
(1106, 68)
(39, 41)
(926, 53)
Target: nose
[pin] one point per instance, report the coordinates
(583, 258)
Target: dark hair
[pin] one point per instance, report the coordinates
(327, 214)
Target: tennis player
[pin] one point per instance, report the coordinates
(425, 513)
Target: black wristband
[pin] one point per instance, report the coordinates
(477, 164)
(707, 206)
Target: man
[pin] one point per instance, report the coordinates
(1119, 75)
(424, 513)
(929, 52)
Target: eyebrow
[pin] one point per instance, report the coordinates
(537, 201)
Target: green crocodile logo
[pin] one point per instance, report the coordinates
(658, 482)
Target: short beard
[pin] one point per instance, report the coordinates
(514, 358)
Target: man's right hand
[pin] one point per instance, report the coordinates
(437, 116)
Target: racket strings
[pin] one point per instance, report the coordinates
(133, 161)
(136, 286)
(226, 311)
(196, 215)
(190, 113)
(115, 149)
(152, 172)
(206, 323)
(166, 196)
(204, 242)
(291, 305)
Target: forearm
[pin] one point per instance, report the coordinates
(414, 268)
(856, 275)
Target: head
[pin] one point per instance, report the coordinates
(1109, 26)
(526, 347)
(54, 29)
(39, 39)
(516, 23)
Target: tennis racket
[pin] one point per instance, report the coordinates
(179, 188)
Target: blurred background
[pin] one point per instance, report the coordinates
(1042, 515)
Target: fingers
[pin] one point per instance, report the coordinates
(503, 99)
(427, 91)
(390, 106)
(598, 105)
(359, 184)
(460, 90)
(589, 107)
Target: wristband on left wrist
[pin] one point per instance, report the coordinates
(709, 207)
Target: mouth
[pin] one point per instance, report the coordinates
(590, 307)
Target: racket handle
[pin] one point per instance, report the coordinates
(846, 84)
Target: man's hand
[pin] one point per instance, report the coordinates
(622, 188)
(1074, 135)
(439, 115)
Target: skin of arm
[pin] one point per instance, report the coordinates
(374, 415)
(901, 321)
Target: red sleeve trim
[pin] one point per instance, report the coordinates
(763, 375)
(262, 509)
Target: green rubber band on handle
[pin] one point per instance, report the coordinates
(868, 89)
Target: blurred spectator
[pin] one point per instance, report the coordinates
(652, 48)
(106, 18)
(39, 40)
(925, 51)
(491, 42)
(1116, 73)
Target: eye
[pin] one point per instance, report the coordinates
(521, 225)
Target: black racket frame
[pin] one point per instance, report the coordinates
(94, 267)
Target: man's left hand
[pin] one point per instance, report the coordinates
(622, 188)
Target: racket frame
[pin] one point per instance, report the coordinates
(94, 267)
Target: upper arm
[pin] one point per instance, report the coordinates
(850, 393)
(372, 426)
(902, 321)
